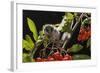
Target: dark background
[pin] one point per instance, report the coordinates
(40, 18)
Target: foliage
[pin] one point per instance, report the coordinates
(27, 43)
(80, 57)
(26, 57)
(69, 22)
(32, 28)
(75, 48)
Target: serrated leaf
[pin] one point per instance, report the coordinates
(32, 28)
(26, 58)
(75, 48)
(28, 38)
(80, 57)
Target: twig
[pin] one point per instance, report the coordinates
(75, 26)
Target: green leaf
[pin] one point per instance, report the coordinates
(26, 45)
(80, 57)
(75, 48)
(88, 43)
(32, 28)
(68, 20)
(66, 28)
(26, 58)
(28, 38)
(69, 17)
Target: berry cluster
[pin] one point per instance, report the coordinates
(55, 57)
(84, 34)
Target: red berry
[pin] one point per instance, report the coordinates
(83, 37)
(60, 57)
(50, 58)
(44, 59)
(56, 53)
(57, 56)
(70, 57)
(67, 57)
(79, 38)
(81, 31)
(84, 33)
(38, 59)
(89, 33)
